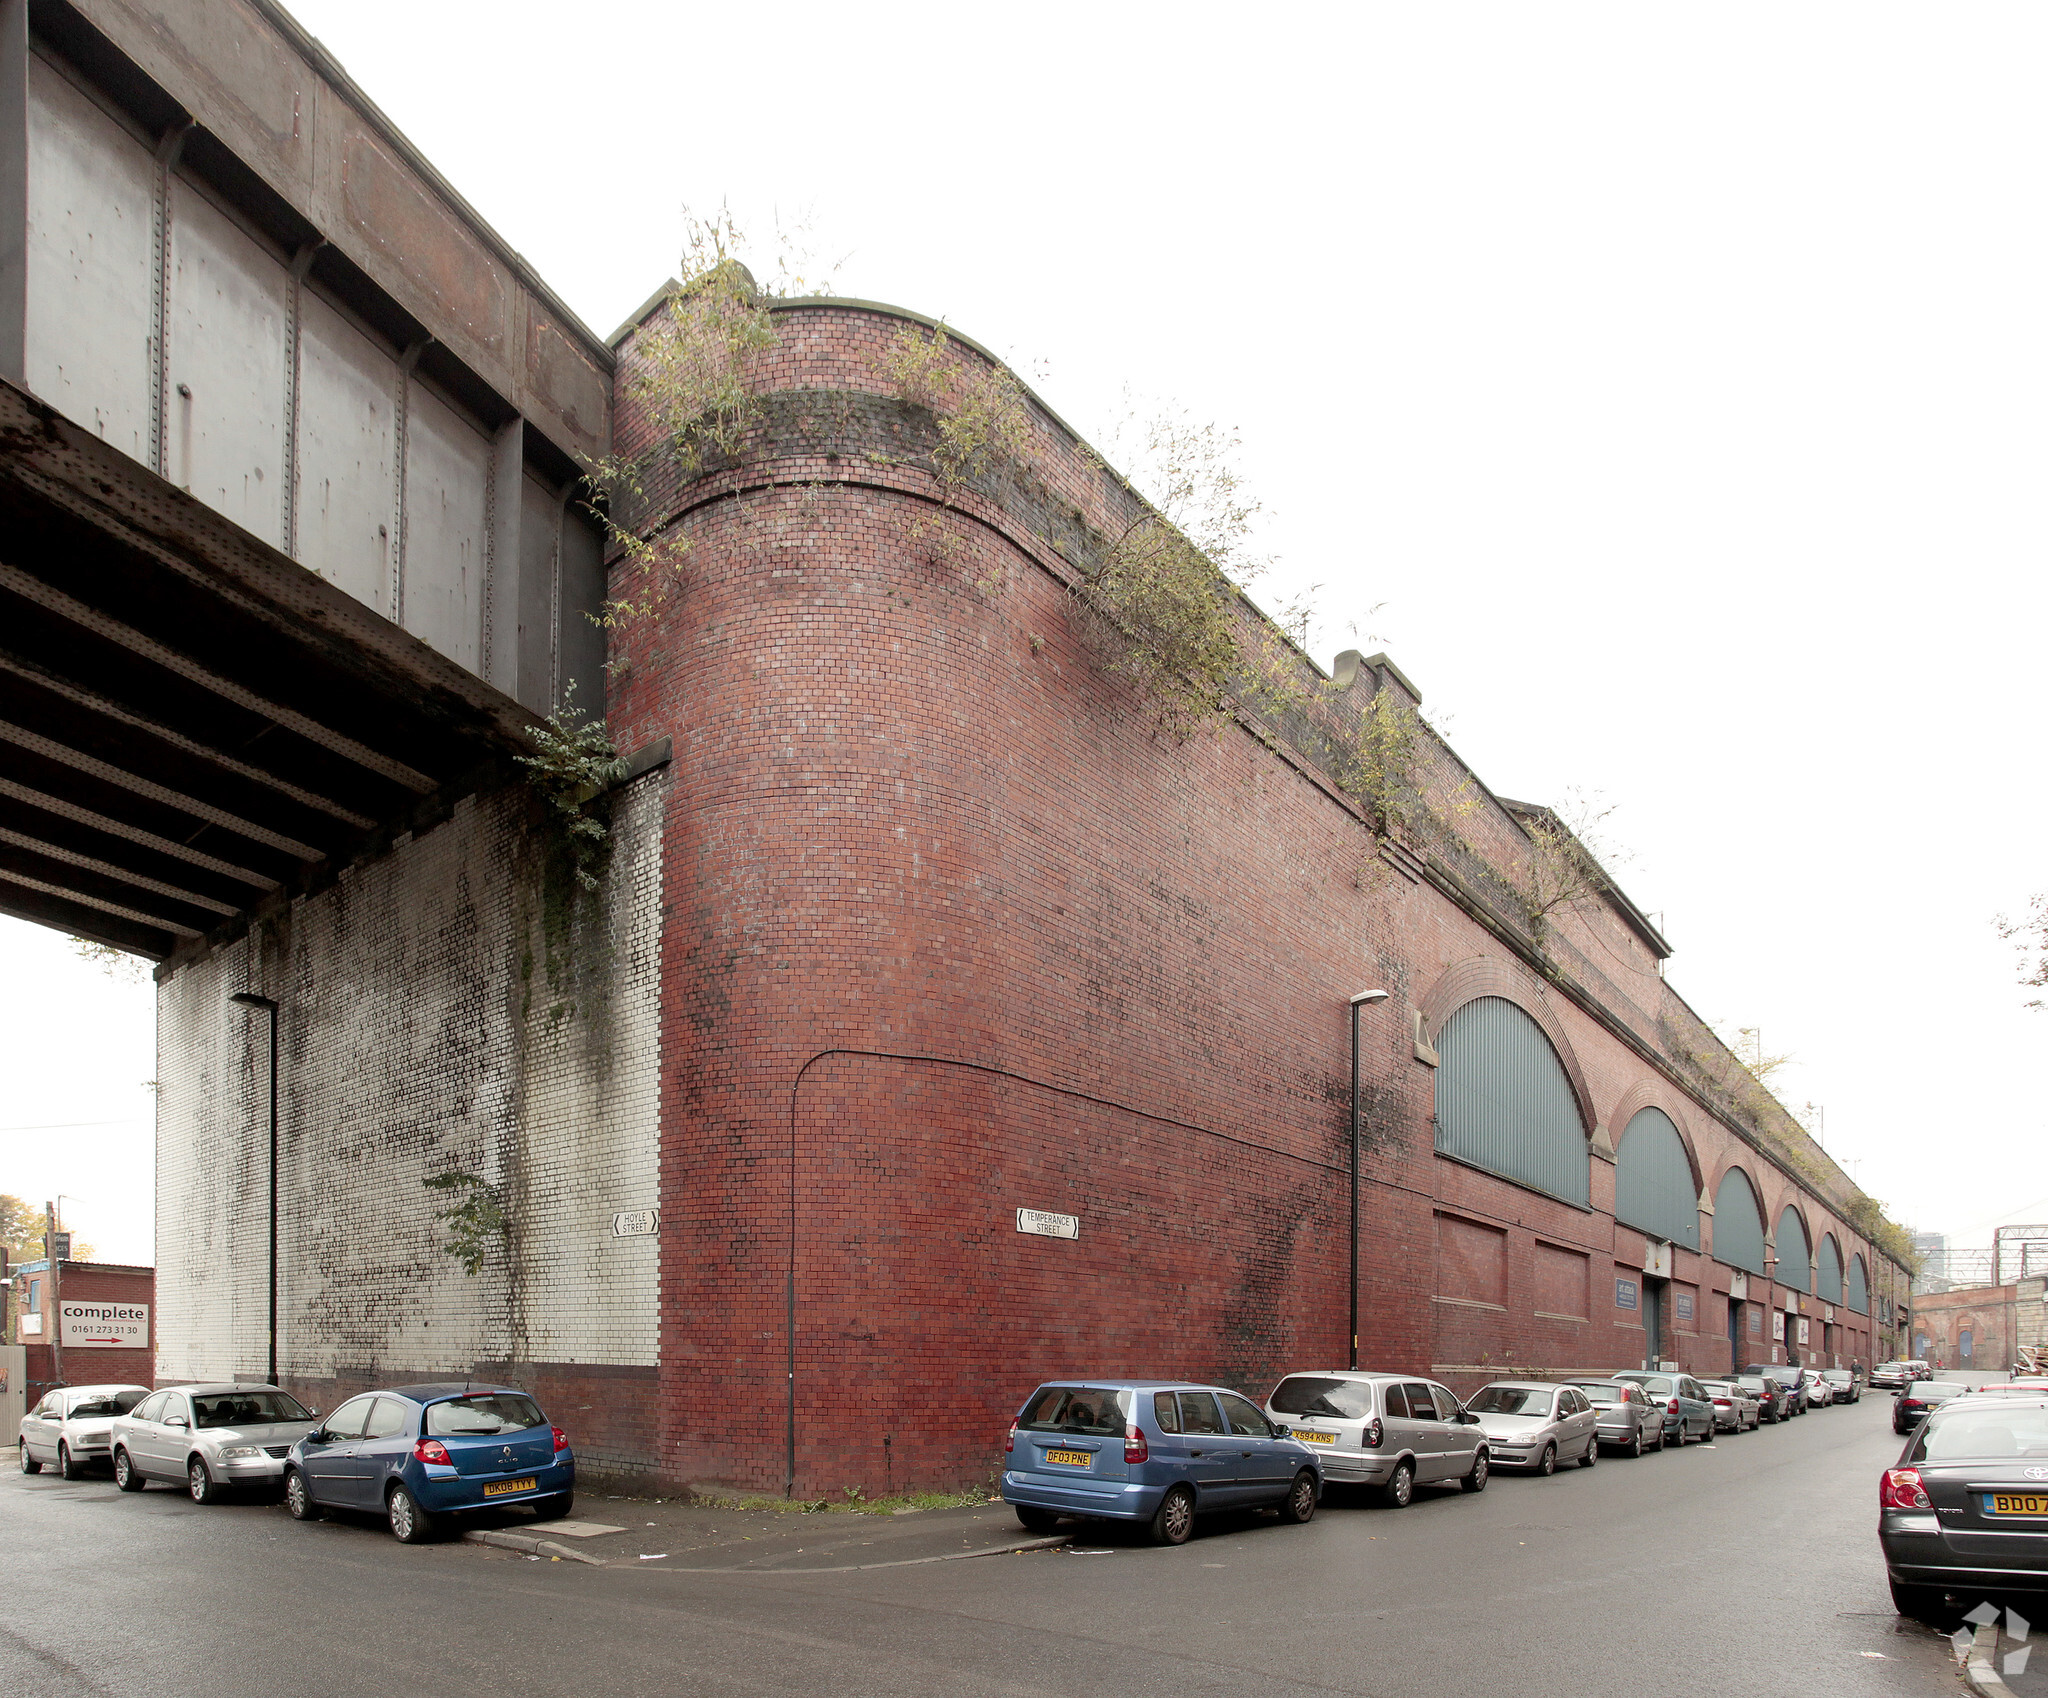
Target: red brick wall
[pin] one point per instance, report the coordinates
(90, 1282)
(916, 818)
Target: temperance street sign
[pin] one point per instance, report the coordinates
(1048, 1225)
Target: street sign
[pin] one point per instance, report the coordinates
(1048, 1225)
(636, 1223)
(60, 1246)
(103, 1326)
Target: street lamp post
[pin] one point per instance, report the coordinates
(1357, 1002)
(249, 999)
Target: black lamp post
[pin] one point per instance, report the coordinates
(249, 999)
(1357, 1002)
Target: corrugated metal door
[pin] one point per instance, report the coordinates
(1859, 1286)
(1828, 1265)
(1738, 1223)
(1653, 1189)
(1795, 1261)
(1504, 1103)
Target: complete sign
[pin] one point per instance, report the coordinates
(104, 1326)
(1048, 1226)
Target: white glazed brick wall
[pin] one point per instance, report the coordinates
(444, 1006)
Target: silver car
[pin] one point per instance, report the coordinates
(69, 1430)
(1735, 1406)
(1629, 1421)
(1392, 1431)
(208, 1438)
(1535, 1425)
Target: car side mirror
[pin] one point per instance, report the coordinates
(174, 1421)
(1467, 1419)
(317, 1436)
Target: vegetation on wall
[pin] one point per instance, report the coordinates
(474, 1215)
(2030, 934)
(572, 765)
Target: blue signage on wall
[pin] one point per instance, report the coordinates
(1683, 1303)
(1624, 1294)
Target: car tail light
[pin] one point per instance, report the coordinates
(1671, 1408)
(1902, 1488)
(561, 1438)
(1375, 1434)
(1010, 1439)
(433, 1450)
(1135, 1447)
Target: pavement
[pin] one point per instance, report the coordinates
(1748, 1565)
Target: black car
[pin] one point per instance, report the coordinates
(1965, 1509)
(1843, 1384)
(1769, 1393)
(1912, 1405)
(1791, 1379)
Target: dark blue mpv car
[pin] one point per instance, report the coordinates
(417, 1453)
(1155, 1451)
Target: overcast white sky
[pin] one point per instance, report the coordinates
(1669, 378)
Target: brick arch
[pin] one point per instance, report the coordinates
(1488, 975)
(1653, 1093)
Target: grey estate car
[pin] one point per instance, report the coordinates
(69, 1429)
(1392, 1431)
(1629, 1421)
(208, 1438)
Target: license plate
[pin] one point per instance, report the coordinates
(499, 1488)
(1073, 1458)
(2016, 1503)
(1307, 1437)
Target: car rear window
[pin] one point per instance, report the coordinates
(109, 1403)
(1509, 1400)
(1658, 1385)
(1939, 1388)
(1076, 1409)
(1307, 1394)
(482, 1414)
(1984, 1433)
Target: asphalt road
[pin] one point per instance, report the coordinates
(1748, 1566)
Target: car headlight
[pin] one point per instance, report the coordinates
(241, 1453)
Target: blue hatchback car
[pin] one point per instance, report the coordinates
(1154, 1451)
(417, 1453)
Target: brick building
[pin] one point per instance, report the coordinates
(915, 928)
(1978, 1329)
(98, 1316)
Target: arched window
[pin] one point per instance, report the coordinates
(1827, 1264)
(1795, 1262)
(1504, 1103)
(1859, 1286)
(1653, 1185)
(1738, 1223)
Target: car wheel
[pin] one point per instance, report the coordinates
(1546, 1464)
(1592, 1454)
(298, 1497)
(199, 1481)
(1636, 1444)
(1397, 1492)
(29, 1465)
(556, 1508)
(410, 1524)
(1035, 1520)
(1921, 1603)
(1299, 1506)
(1476, 1478)
(66, 1465)
(126, 1475)
(1175, 1518)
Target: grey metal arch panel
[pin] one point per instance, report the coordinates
(1653, 1189)
(1795, 1260)
(1859, 1287)
(1738, 1223)
(1827, 1263)
(1504, 1103)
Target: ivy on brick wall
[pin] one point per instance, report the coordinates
(474, 1216)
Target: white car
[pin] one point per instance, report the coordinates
(208, 1438)
(1819, 1394)
(71, 1429)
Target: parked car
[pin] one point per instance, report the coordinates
(1629, 1420)
(1843, 1384)
(1155, 1452)
(69, 1429)
(1919, 1368)
(209, 1438)
(1735, 1408)
(1769, 1395)
(418, 1453)
(1912, 1405)
(1390, 1431)
(1796, 1383)
(1965, 1509)
(1688, 1411)
(1534, 1424)
(1819, 1394)
(1889, 1376)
